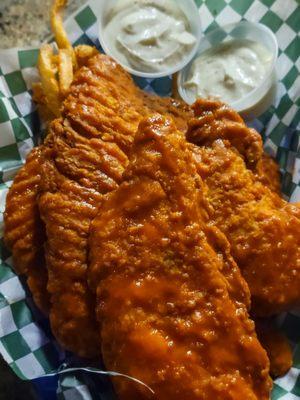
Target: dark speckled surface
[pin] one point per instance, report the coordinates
(18, 21)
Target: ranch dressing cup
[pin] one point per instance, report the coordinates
(150, 38)
(246, 41)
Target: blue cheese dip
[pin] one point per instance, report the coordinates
(148, 35)
(229, 71)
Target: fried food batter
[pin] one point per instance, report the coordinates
(23, 230)
(267, 172)
(88, 154)
(179, 111)
(263, 229)
(166, 312)
(215, 120)
(84, 162)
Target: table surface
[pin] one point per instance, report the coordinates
(26, 22)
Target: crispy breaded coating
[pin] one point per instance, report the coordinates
(166, 312)
(73, 179)
(214, 120)
(23, 229)
(267, 172)
(88, 155)
(262, 228)
(85, 161)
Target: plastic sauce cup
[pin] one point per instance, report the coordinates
(189, 9)
(259, 99)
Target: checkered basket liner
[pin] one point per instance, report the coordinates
(26, 342)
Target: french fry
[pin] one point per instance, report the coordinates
(58, 29)
(83, 53)
(65, 70)
(50, 86)
(57, 70)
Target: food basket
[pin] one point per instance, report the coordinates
(26, 342)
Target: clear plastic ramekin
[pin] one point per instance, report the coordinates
(191, 12)
(259, 99)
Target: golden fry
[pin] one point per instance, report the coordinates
(65, 70)
(57, 70)
(48, 70)
(83, 53)
(58, 29)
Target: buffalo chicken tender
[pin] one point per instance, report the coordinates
(262, 228)
(167, 315)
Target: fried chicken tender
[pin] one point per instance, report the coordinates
(166, 312)
(85, 160)
(87, 156)
(262, 228)
(67, 206)
(23, 230)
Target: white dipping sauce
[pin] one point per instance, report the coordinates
(229, 71)
(148, 35)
